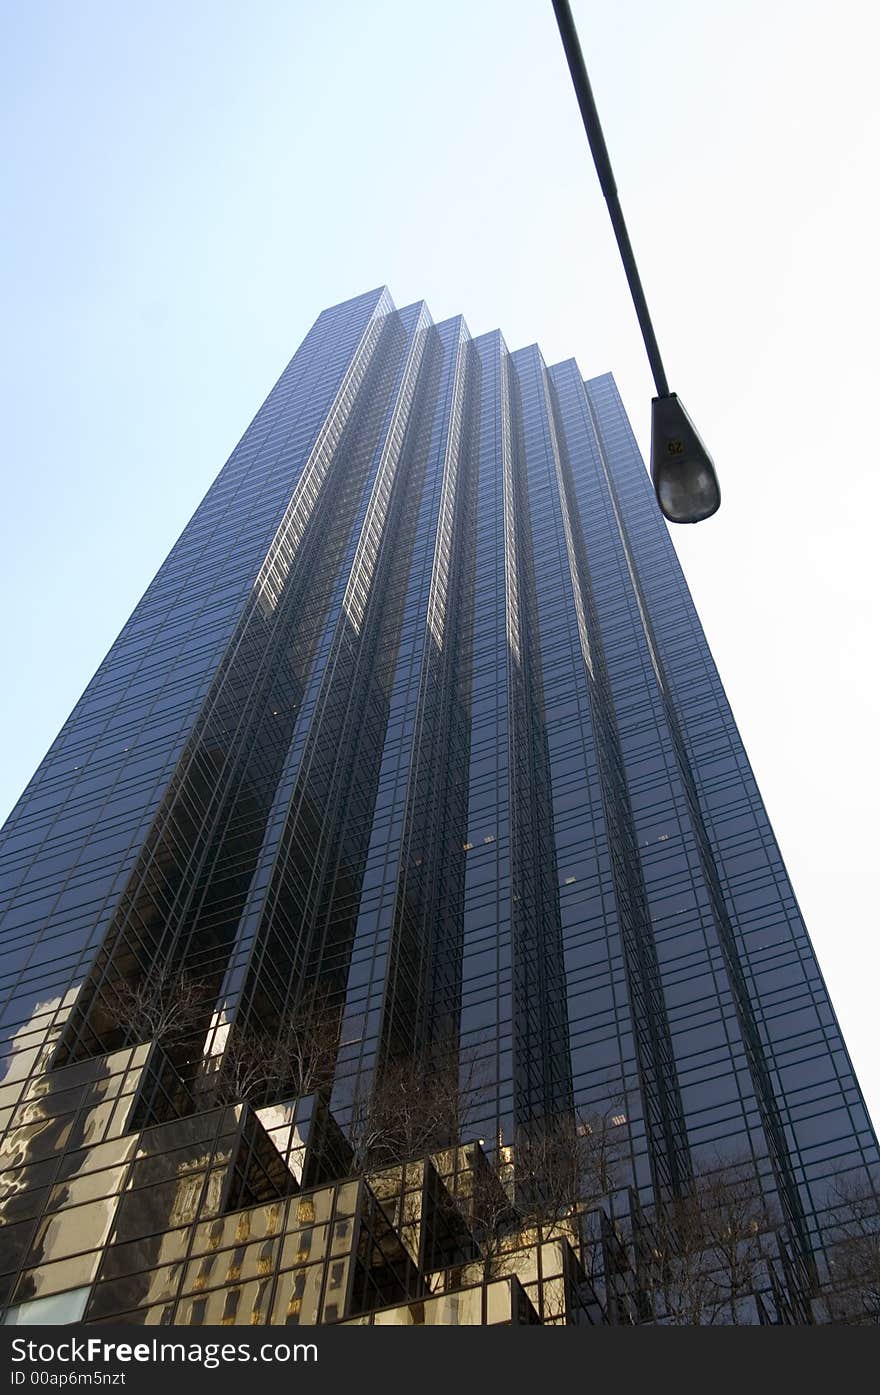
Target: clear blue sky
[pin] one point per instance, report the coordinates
(189, 184)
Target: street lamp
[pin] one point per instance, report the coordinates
(684, 477)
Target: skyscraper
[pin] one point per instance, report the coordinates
(411, 766)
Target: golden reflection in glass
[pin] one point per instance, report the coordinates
(162, 1284)
(342, 1236)
(212, 1199)
(347, 1199)
(78, 1190)
(231, 1300)
(201, 1274)
(98, 1157)
(462, 1309)
(173, 1245)
(298, 1296)
(160, 1316)
(499, 1301)
(55, 1278)
(304, 1246)
(258, 1222)
(78, 1228)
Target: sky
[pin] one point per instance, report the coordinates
(189, 184)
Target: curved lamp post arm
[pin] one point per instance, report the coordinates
(684, 477)
(593, 127)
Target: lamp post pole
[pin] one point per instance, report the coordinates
(681, 468)
(608, 185)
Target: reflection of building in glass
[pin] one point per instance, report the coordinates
(407, 811)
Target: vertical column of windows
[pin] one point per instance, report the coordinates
(423, 997)
(737, 1114)
(295, 934)
(487, 969)
(580, 491)
(542, 1060)
(622, 1061)
(821, 1130)
(386, 999)
(702, 1027)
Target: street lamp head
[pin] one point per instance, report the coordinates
(681, 468)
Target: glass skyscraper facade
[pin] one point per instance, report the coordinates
(413, 751)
